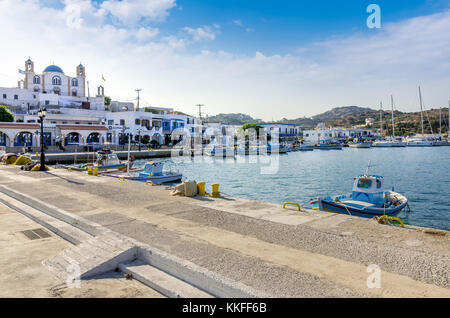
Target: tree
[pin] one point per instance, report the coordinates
(107, 100)
(5, 115)
(254, 126)
(145, 140)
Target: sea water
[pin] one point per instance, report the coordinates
(422, 174)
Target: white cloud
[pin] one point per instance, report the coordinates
(201, 33)
(130, 12)
(143, 34)
(237, 22)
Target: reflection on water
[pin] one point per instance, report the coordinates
(422, 174)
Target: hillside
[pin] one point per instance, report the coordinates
(405, 123)
(348, 116)
(328, 116)
(233, 119)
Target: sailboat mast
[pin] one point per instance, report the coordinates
(381, 119)
(421, 111)
(393, 128)
(440, 121)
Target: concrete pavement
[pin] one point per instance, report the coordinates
(279, 252)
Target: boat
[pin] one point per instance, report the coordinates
(359, 144)
(391, 141)
(106, 160)
(323, 145)
(276, 148)
(152, 171)
(368, 199)
(305, 147)
(419, 141)
(218, 151)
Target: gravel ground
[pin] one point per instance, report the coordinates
(112, 203)
(276, 281)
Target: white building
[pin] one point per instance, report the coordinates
(321, 133)
(50, 88)
(75, 118)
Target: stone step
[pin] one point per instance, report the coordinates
(161, 281)
(95, 256)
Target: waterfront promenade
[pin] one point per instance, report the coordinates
(222, 246)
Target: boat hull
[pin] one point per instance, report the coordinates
(367, 212)
(155, 179)
(359, 145)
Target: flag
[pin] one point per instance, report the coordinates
(21, 72)
(103, 79)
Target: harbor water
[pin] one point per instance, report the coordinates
(422, 174)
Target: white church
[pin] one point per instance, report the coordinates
(52, 87)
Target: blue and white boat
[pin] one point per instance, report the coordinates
(217, 150)
(152, 171)
(106, 160)
(328, 145)
(276, 148)
(368, 199)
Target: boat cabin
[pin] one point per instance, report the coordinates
(107, 159)
(368, 188)
(153, 168)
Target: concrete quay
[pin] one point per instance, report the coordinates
(217, 246)
(81, 157)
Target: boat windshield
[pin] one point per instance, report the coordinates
(364, 183)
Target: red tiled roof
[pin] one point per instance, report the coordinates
(19, 126)
(80, 127)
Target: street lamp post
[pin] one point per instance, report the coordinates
(42, 113)
(139, 140)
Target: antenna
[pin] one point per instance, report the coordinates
(200, 110)
(138, 91)
(367, 170)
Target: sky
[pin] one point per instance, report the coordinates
(269, 59)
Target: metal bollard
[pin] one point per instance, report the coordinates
(201, 188)
(215, 190)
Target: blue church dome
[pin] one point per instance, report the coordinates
(53, 68)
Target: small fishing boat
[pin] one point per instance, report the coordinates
(276, 148)
(368, 199)
(152, 171)
(328, 145)
(218, 151)
(359, 144)
(305, 147)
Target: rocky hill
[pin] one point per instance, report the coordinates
(348, 116)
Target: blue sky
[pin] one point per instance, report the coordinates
(269, 59)
(279, 27)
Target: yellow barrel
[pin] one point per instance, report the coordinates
(215, 190)
(89, 168)
(201, 188)
(37, 154)
(95, 171)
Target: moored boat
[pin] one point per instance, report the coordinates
(328, 146)
(219, 151)
(368, 199)
(152, 171)
(359, 144)
(106, 160)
